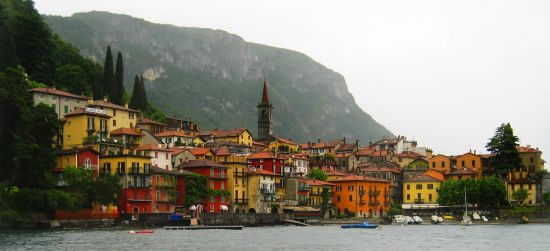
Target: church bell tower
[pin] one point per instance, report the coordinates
(265, 123)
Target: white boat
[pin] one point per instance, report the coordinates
(466, 220)
(399, 218)
(417, 220)
(436, 219)
(484, 218)
(409, 220)
(476, 216)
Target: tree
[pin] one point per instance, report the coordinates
(196, 190)
(108, 75)
(317, 174)
(520, 195)
(72, 78)
(488, 192)
(504, 146)
(118, 91)
(8, 56)
(102, 189)
(546, 198)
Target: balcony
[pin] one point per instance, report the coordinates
(374, 193)
(140, 199)
(362, 202)
(374, 203)
(266, 191)
(318, 193)
(240, 174)
(241, 201)
(419, 201)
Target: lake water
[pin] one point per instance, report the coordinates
(394, 237)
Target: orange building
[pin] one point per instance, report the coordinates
(471, 161)
(440, 163)
(361, 197)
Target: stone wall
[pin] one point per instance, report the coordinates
(248, 220)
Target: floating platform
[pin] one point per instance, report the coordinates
(202, 227)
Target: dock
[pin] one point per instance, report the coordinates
(202, 227)
(296, 223)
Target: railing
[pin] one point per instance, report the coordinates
(140, 198)
(318, 193)
(303, 203)
(303, 189)
(374, 193)
(241, 201)
(218, 176)
(240, 174)
(267, 191)
(419, 201)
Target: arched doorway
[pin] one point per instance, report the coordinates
(252, 210)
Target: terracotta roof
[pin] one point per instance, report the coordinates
(342, 155)
(200, 151)
(378, 166)
(265, 95)
(422, 178)
(262, 155)
(264, 172)
(462, 171)
(527, 149)
(200, 163)
(371, 152)
(328, 144)
(148, 121)
(178, 150)
(346, 147)
(83, 111)
(173, 134)
(357, 178)
(408, 154)
(57, 92)
(287, 141)
(334, 173)
(126, 131)
(102, 103)
(386, 141)
(319, 183)
(228, 133)
(258, 143)
(486, 156)
(76, 150)
(153, 147)
(222, 152)
(468, 153)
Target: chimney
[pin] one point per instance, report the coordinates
(357, 143)
(126, 105)
(309, 144)
(53, 87)
(344, 140)
(105, 98)
(475, 152)
(318, 140)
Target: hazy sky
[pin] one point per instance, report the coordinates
(445, 73)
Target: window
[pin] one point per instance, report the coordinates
(430, 197)
(338, 188)
(114, 112)
(338, 198)
(114, 122)
(212, 185)
(223, 186)
(430, 186)
(408, 196)
(350, 198)
(473, 163)
(223, 199)
(418, 186)
(433, 164)
(462, 163)
(166, 156)
(531, 160)
(67, 161)
(53, 106)
(53, 97)
(156, 155)
(442, 163)
(350, 188)
(408, 187)
(529, 186)
(41, 96)
(400, 159)
(66, 100)
(66, 109)
(212, 172)
(158, 195)
(212, 199)
(121, 167)
(261, 161)
(131, 115)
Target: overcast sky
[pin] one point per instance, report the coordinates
(445, 73)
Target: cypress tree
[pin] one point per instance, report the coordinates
(144, 103)
(504, 146)
(118, 90)
(108, 75)
(8, 56)
(135, 94)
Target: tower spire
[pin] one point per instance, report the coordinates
(265, 95)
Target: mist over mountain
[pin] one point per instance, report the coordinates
(215, 78)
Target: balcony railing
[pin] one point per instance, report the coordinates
(266, 191)
(387, 203)
(362, 202)
(318, 193)
(419, 201)
(241, 201)
(140, 198)
(374, 193)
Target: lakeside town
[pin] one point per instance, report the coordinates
(157, 165)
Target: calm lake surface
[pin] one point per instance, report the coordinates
(394, 237)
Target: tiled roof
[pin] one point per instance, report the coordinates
(319, 183)
(346, 147)
(58, 92)
(422, 178)
(222, 152)
(178, 150)
(148, 121)
(371, 152)
(102, 103)
(264, 172)
(235, 132)
(287, 141)
(262, 155)
(173, 134)
(318, 145)
(462, 171)
(434, 174)
(334, 173)
(408, 154)
(386, 141)
(126, 131)
(342, 155)
(158, 170)
(356, 178)
(200, 151)
(527, 149)
(378, 166)
(83, 111)
(153, 147)
(200, 163)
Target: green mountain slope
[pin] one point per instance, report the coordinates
(215, 78)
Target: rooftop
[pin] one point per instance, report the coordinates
(54, 91)
(126, 131)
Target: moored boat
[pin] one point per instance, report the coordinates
(361, 225)
(436, 219)
(142, 232)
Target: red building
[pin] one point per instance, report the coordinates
(266, 161)
(216, 175)
(77, 157)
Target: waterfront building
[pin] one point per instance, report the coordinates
(296, 165)
(187, 126)
(121, 116)
(86, 158)
(279, 144)
(266, 161)
(175, 138)
(62, 102)
(525, 176)
(360, 196)
(237, 135)
(262, 191)
(385, 170)
(161, 157)
(237, 179)
(422, 189)
(440, 163)
(320, 196)
(134, 171)
(471, 161)
(163, 184)
(367, 154)
(216, 175)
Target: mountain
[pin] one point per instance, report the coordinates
(215, 78)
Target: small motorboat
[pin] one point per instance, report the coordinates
(361, 225)
(399, 219)
(142, 232)
(409, 220)
(417, 219)
(436, 219)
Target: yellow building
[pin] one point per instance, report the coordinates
(125, 162)
(237, 179)
(282, 145)
(526, 184)
(84, 127)
(122, 116)
(316, 190)
(262, 191)
(523, 177)
(238, 135)
(422, 189)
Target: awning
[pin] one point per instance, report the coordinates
(193, 207)
(224, 208)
